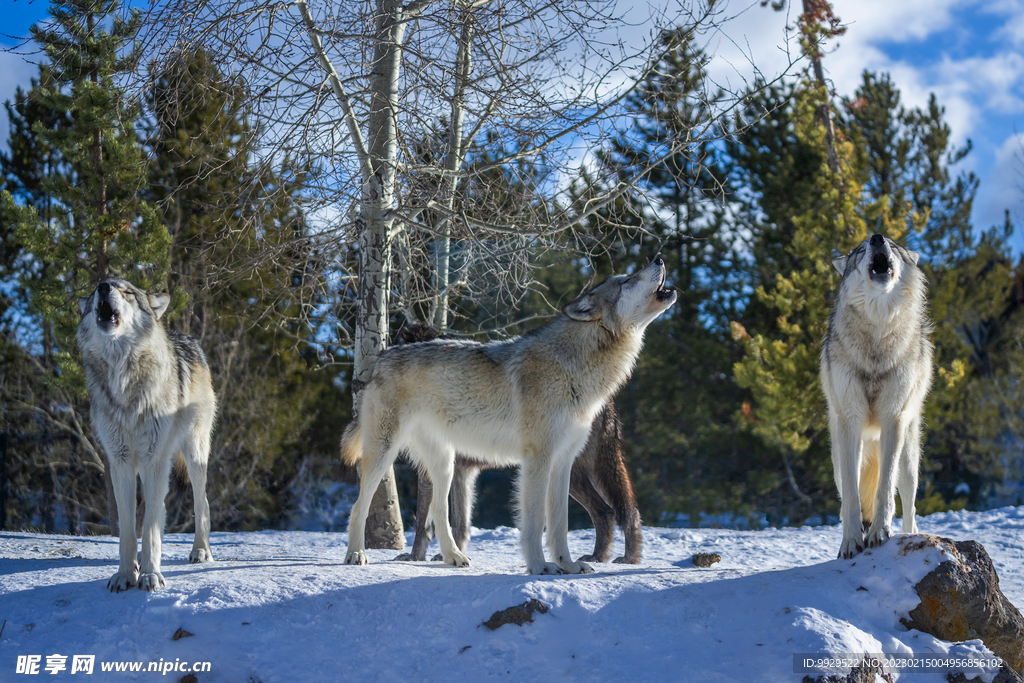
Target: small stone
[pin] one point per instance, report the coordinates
(518, 615)
(706, 559)
(181, 633)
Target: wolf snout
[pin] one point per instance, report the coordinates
(877, 240)
(104, 289)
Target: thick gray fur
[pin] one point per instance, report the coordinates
(528, 401)
(151, 404)
(600, 482)
(876, 370)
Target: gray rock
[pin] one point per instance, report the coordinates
(961, 600)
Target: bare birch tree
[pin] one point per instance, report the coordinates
(417, 119)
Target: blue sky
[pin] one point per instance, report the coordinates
(969, 52)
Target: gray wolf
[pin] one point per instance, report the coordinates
(599, 482)
(527, 401)
(151, 403)
(876, 370)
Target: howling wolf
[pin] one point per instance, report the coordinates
(527, 401)
(876, 369)
(151, 400)
(599, 482)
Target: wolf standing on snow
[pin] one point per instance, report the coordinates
(876, 369)
(599, 482)
(526, 401)
(151, 399)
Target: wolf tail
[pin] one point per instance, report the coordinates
(352, 443)
(179, 475)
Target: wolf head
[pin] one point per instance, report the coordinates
(879, 275)
(625, 302)
(118, 311)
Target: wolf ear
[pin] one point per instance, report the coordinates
(159, 302)
(585, 309)
(83, 304)
(840, 263)
(914, 256)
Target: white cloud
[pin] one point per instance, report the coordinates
(896, 21)
(1004, 186)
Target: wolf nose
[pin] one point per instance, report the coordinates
(877, 239)
(659, 262)
(104, 289)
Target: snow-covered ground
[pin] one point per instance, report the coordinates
(283, 607)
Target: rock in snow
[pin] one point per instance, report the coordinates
(961, 600)
(518, 615)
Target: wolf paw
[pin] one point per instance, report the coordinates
(356, 557)
(457, 560)
(577, 568)
(625, 560)
(591, 558)
(200, 555)
(546, 568)
(151, 581)
(850, 548)
(122, 581)
(877, 538)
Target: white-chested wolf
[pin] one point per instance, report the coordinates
(876, 369)
(151, 404)
(527, 401)
(599, 482)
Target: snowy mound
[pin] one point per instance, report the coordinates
(282, 606)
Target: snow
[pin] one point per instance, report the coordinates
(283, 606)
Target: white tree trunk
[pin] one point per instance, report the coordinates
(384, 524)
(453, 161)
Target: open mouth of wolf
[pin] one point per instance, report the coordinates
(662, 293)
(106, 316)
(881, 267)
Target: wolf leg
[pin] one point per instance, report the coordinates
(533, 488)
(557, 509)
(377, 458)
(907, 475)
(582, 489)
(846, 457)
(889, 452)
(155, 483)
(463, 495)
(424, 494)
(123, 478)
(441, 466)
(196, 452)
(613, 482)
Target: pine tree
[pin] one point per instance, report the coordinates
(98, 225)
(682, 443)
(820, 212)
(238, 273)
(77, 168)
(894, 179)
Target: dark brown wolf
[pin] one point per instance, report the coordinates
(599, 481)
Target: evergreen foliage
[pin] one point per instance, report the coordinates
(238, 282)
